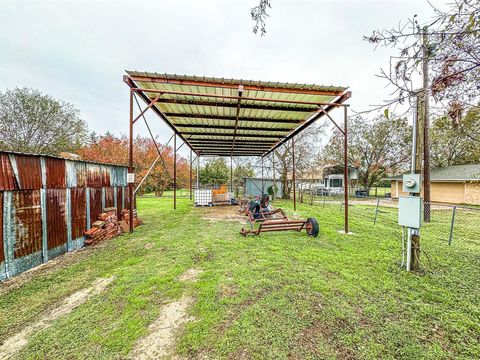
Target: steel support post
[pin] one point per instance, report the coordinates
(190, 184)
(231, 174)
(274, 182)
(130, 161)
(293, 176)
(175, 172)
(263, 190)
(345, 171)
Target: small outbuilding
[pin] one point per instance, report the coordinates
(457, 184)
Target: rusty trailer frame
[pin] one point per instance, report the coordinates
(231, 117)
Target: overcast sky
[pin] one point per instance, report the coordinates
(77, 51)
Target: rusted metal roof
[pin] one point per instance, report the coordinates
(7, 176)
(27, 222)
(217, 116)
(56, 218)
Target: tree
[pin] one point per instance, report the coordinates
(37, 123)
(308, 152)
(456, 144)
(449, 45)
(112, 149)
(259, 16)
(215, 172)
(376, 147)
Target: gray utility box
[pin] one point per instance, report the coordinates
(412, 183)
(410, 211)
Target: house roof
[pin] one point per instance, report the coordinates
(234, 117)
(468, 172)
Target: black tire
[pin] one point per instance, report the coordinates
(312, 227)
(265, 201)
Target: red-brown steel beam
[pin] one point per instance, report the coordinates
(175, 172)
(233, 97)
(345, 160)
(190, 167)
(204, 83)
(245, 106)
(226, 127)
(229, 134)
(130, 161)
(293, 176)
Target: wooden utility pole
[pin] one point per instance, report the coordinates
(426, 126)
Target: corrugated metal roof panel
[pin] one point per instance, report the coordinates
(56, 218)
(29, 171)
(56, 175)
(27, 222)
(7, 176)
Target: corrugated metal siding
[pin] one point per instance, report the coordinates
(2, 254)
(95, 204)
(106, 175)
(81, 170)
(56, 178)
(7, 177)
(109, 197)
(56, 220)
(27, 222)
(79, 214)
(94, 175)
(29, 172)
(119, 202)
(126, 191)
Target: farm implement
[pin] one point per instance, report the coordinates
(259, 211)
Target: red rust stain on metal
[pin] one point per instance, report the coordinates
(126, 191)
(79, 212)
(2, 255)
(119, 203)
(95, 204)
(27, 222)
(29, 172)
(105, 177)
(109, 197)
(56, 219)
(94, 176)
(55, 173)
(7, 177)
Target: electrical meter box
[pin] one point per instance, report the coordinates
(411, 183)
(410, 211)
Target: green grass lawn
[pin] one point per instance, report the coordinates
(278, 295)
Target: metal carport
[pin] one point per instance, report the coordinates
(230, 117)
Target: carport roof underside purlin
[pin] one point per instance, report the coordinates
(228, 117)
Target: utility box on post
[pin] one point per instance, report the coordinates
(410, 211)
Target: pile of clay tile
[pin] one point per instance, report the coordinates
(107, 226)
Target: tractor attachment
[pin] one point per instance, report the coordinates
(259, 211)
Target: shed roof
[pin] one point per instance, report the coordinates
(224, 117)
(467, 172)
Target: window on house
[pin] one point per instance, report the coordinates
(336, 183)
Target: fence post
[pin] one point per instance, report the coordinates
(452, 223)
(323, 200)
(341, 206)
(376, 212)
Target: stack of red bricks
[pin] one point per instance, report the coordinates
(125, 222)
(106, 227)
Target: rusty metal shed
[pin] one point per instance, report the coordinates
(232, 117)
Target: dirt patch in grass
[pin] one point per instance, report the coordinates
(161, 333)
(223, 213)
(19, 340)
(190, 275)
(161, 337)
